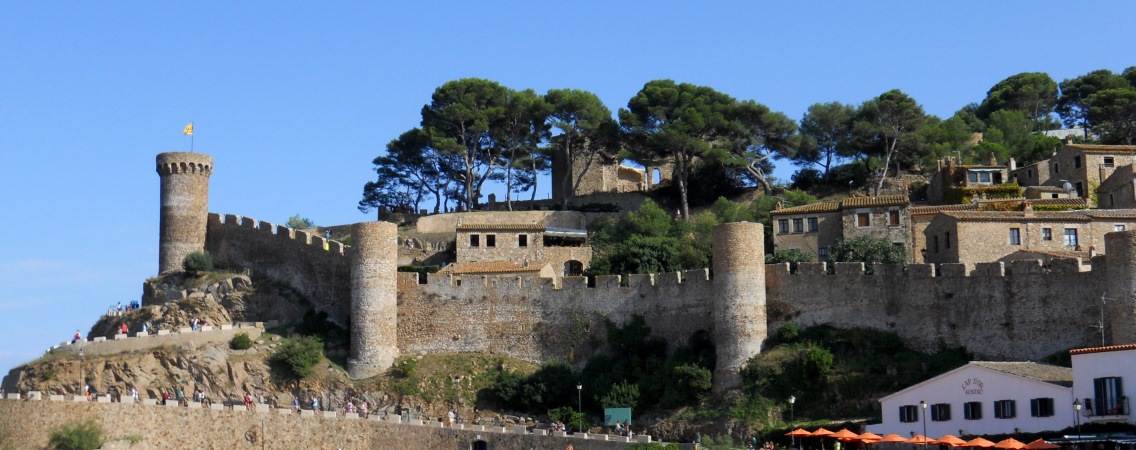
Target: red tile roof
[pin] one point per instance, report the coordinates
(1111, 348)
(932, 210)
(813, 208)
(500, 227)
(488, 267)
(850, 202)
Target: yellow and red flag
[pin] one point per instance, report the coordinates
(188, 129)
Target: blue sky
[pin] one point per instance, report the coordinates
(293, 100)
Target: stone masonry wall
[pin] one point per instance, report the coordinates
(28, 424)
(315, 267)
(530, 319)
(998, 312)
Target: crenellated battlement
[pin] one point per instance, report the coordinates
(301, 237)
(184, 163)
(947, 270)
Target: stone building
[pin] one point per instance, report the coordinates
(601, 175)
(949, 173)
(522, 248)
(813, 229)
(1084, 166)
(1118, 191)
(987, 236)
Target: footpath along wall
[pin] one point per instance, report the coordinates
(28, 424)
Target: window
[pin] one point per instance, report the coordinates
(1029, 173)
(1004, 409)
(491, 240)
(783, 226)
(1041, 407)
(1108, 161)
(822, 252)
(1076, 162)
(1071, 237)
(941, 412)
(1118, 228)
(813, 224)
(1056, 168)
(1109, 396)
(863, 219)
(1015, 236)
(909, 413)
(1047, 234)
(893, 217)
(522, 240)
(972, 177)
(948, 243)
(1111, 201)
(972, 410)
(1080, 189)
(798, 225)
(936, 246)
(984, 177)
(474, 240)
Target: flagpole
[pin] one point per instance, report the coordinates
(191, 140)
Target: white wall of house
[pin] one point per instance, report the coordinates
(972, 383)
(1090, 366)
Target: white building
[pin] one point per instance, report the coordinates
(1098, 382)
(983, 398)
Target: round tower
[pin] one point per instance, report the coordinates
(185, 206)
(1120, 266)
(739, 299)
(374, 298)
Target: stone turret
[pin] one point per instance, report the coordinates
(739, 300)
(1120, 265)
(185, 206)
(374, 298)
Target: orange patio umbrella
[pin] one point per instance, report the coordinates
(869, 437)
(949, 439)
(1040, 444)
(844, 435)
(1010, 444)
(919, 439)
(799, 432)
(897, 438)
(979, 442)
(821, 432)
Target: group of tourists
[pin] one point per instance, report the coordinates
(195, 324)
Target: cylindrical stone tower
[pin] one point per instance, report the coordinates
(374, 298)
(739, 299)
(185, 206)
(1120, 264)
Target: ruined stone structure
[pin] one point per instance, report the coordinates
(185, 204)
(599, 175)
(998, 311)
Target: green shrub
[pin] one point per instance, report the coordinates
(197, 262)
(621, 395)
(241, 341)
(77, 436)
(788, 333)
(47, 375)
(133, 438)
(300, 355)
(652, 446)
(404, 368)
(572, 419)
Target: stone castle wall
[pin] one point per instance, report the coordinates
(317, 268)
(28, 424)
(184, 204)
(999, 312)
(530, 319)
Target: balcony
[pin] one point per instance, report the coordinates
(1120, 411)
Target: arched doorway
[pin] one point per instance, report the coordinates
(573, 268)
(479, 445)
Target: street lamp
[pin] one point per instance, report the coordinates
(1077, 419)
(81, 381)
(580, 403)
(923, 404)
(792, 437)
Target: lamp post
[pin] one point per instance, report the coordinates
(1077, 419)
(580, 404)
(923, 405)
(792, 437)
(81, 381)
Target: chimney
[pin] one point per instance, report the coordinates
(1027, 208)
(1013, 165)
(993, 159)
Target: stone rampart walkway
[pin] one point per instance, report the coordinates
(121, 343)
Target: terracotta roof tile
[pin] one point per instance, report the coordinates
(931, 210)
(813, 208)
(488, 267)
(1044, 188)
(1111, 348)
(1061, 376)
(1082, 202)
(500, 227)
(1017, 216)
(883, 200)
(1092, 148)
(1110, 213)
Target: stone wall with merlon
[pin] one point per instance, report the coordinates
(1025, 313)
(289, 256)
